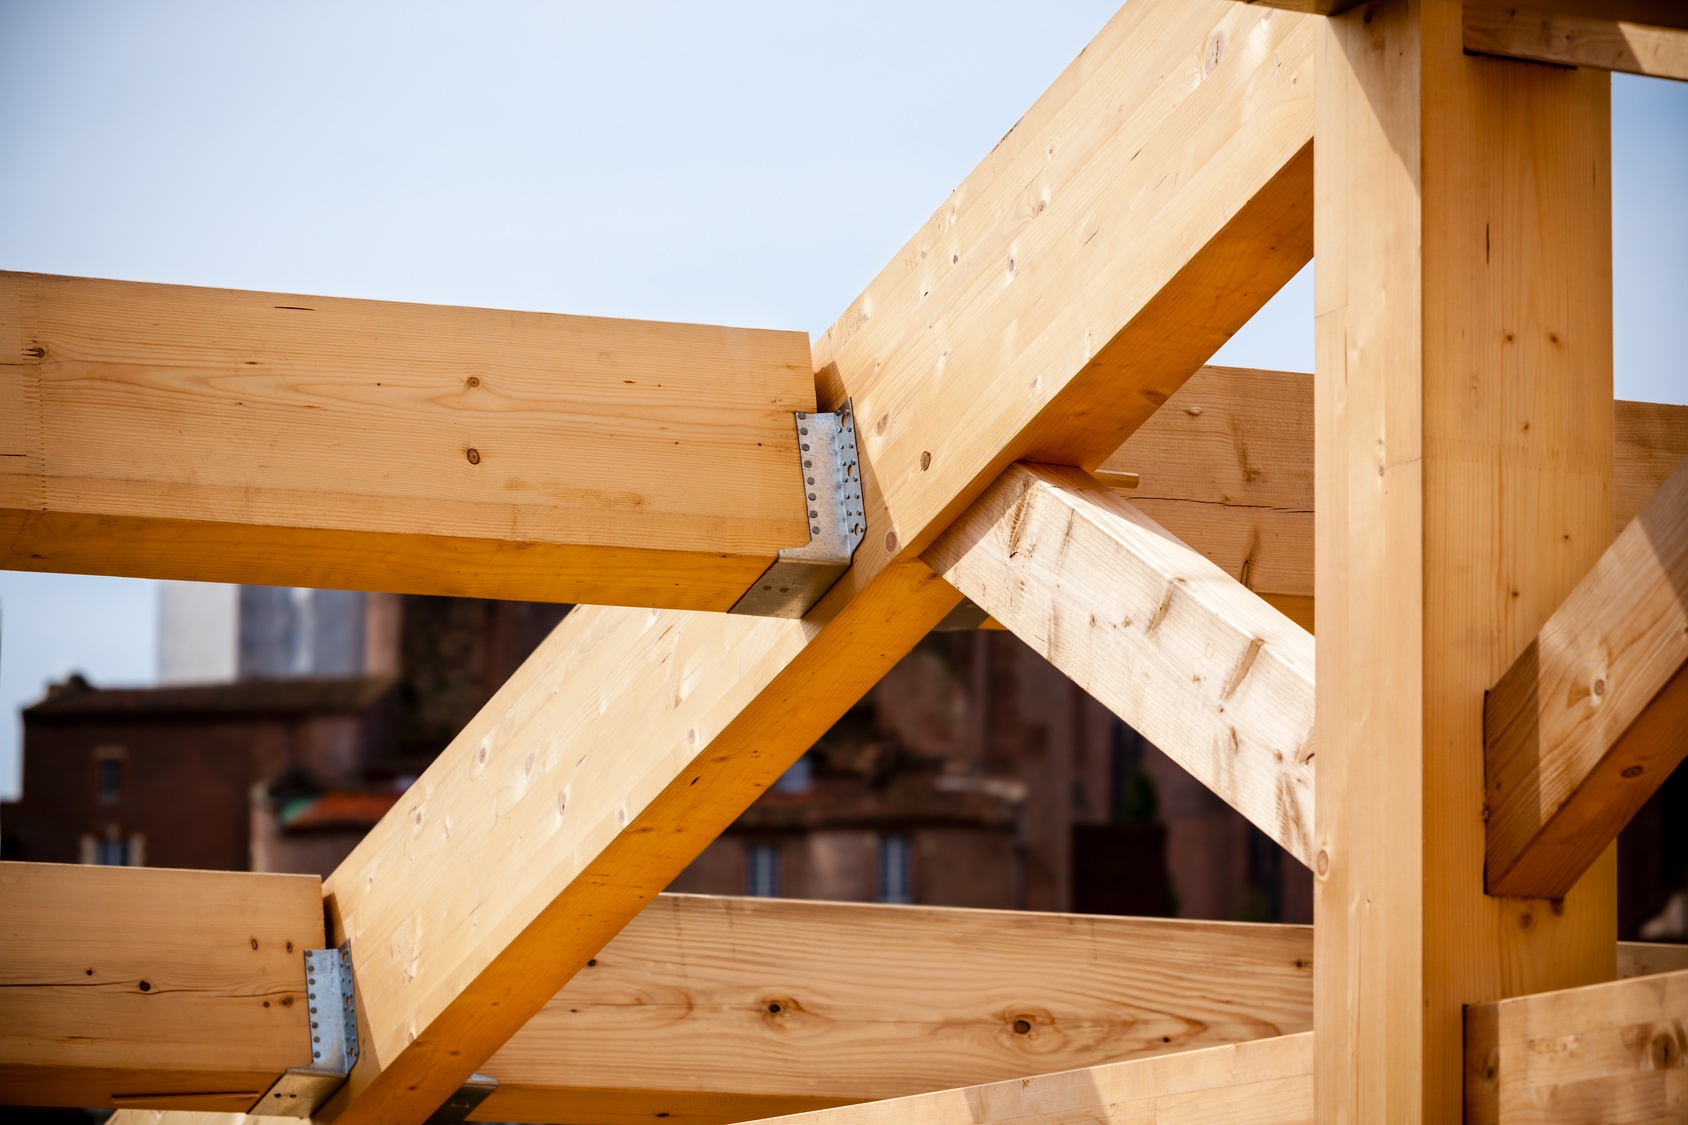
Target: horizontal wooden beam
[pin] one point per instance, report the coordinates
(1649, 38)
(704, 1009)
(671, 1020)
(1593, 716)
(1265, 1082)
(1606, 1052)
(1227, 466)
(128, 986)
(1217, 679)
(162, 431)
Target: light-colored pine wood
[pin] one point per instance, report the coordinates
(1592, 717)
(1227, 466)
(128, 985)
(702, 1006)
(1266, 1082)
(1150, 201)
(1594, 39)
(1605, 1054)
(1217, 679)
(1144, 208)
(218, 435)
(1463, 402)
(1644, 958)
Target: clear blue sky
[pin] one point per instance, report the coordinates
(733, 163)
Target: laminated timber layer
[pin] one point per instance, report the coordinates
(160, 431)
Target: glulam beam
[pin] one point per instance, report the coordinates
(128, 986)
(1647, 37)
(1606, 1052)
(1218, 680)
(219, 435)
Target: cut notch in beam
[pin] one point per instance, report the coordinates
(162, 431)
(1217, 679)
(124, 986)
(1593, 716)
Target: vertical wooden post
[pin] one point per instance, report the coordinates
(1463, 483)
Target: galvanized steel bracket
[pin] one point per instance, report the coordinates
(302, 1090)
(832, 487)
(468, 1098)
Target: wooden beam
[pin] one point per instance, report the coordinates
(1162, 182)
(672, 1018)
(1227, 466)
(132, 986)
(1606, 1052)
(218, 435)
(1592, 717)
(1652, 41)
(1463, 405)
(1217, 679)
(704, 1007)
(1266, 1082)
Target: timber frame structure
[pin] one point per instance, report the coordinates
(1499, 566)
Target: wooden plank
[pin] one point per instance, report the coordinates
(134, 986)
(1610, 1053)
(1463, 480)
(1227, 466)
(672, 1016)
(705, 1006)
(1644, 958)
(1217, 679)
(1581, 38)
(1266, 1082)
(218, 435)
(1162, 181)
(1592, 717)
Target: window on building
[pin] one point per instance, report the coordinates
(112, 852)
(895, 885)
(762, 870)
(108, 774)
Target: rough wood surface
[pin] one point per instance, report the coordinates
(129, 986)
(1594, 39)
(1593, 715)
(1605, 1054)
(704, 1005)
(1463, 399)
(219, 435)
(1266, 1082)
(1227, 466)
(1217, 679)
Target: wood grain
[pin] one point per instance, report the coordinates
(1463, 405)
(1539, 33)
(703, 1006)
(1266, 1082)
(218, 435)
(1217, 679)
(1611, 1054)
(1227, 466)
(1162, 181)
(123, 985)
(1592, 717)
